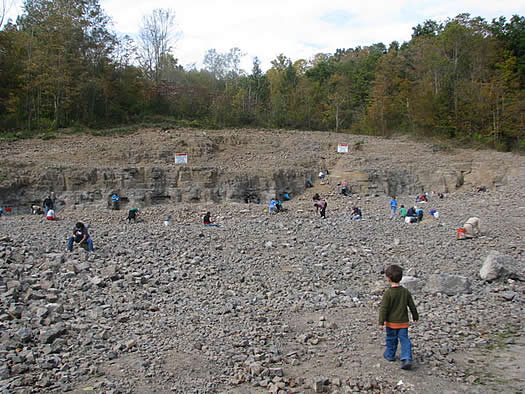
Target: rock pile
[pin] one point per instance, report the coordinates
(282, 302)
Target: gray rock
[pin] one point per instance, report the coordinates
(24, 334)
(15, 311)
(4, 371)
(49, 335)
(448, 284)
(412, 283)
(499, 266)
(509, 295)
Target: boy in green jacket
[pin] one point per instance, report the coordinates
(393, 314)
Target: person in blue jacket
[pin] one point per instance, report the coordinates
(393, 208)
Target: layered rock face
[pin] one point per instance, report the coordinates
(232, 166)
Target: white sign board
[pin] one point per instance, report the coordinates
(181, 158)
(342, 148)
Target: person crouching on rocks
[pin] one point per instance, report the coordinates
(132, 215)
(320, 206)
(207, 220)
(356, 214)
(393, 314)
(80, 237)
(472, 227)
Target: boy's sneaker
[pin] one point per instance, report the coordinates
(389, 359)
(406, 364)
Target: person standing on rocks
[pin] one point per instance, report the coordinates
(393, 208)
(80, 236)
(393, 314)
(403, 212)
(320, 206)
(47, 204)
(115, 199)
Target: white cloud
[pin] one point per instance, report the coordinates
(296, 28)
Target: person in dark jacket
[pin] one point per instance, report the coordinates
(81, 237)
(47, 204)
(132, 215)
(206, 220)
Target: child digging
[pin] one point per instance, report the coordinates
(393, 314)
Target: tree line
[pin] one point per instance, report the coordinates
(462, 79)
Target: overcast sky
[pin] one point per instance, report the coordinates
(297, 28)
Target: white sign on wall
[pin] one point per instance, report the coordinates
(341, 148)
(181, 158)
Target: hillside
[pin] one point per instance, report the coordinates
(229, 165)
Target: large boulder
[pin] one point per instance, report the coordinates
(500, 266)
(448, 284)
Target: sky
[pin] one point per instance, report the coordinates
(299, 29)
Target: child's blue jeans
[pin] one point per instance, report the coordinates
(392, 336)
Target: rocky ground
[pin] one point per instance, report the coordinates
(282, 302)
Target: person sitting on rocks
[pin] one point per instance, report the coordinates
(419, 214)
(320, 206)
(308, 184)
(321, 175)
(316, 197)
(344, 189)
(207, 220)
(411, 216)
(36, 210)
(356, 214)
(51, 215)
(80, 237)
(286, 196)
(132, 215)
(279, 206)
(167, 221)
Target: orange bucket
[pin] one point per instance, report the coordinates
(460, 234)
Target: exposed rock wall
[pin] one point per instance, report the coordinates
(233, 166)
(144, 186)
